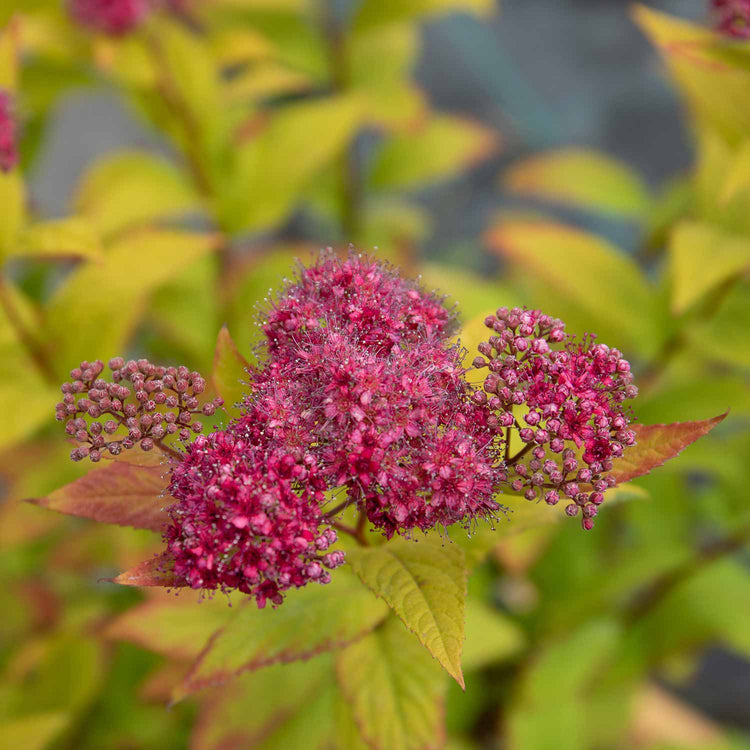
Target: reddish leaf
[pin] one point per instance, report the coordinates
(657, 443)
(121, 492)
(158, 571)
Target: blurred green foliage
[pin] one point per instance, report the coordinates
(261, 106)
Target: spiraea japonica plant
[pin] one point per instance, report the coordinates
(364, 457)
(400, 482)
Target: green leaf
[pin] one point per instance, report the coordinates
(547, 713)
(279, 708)
(585, 268)
(424, 583)
(128, 189)
(394, 688)
(230, 374)
(315, 132)
(724, 337)
(32, 732)
(59, 238)
(657, 443)
(441, 147)
(691, 244)
(157, 571)
(119, 493)
(490, 636)
(98, 306)
(582, 179)
(311, 620)
(379, 12)
(178, 627)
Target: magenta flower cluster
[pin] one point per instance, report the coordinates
(246, 524)
(362, 400)
(561, 402)
(8, 134)
(141, 405)
(733, 17)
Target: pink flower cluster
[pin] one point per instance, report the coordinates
(561, 402)
(362, 393)
(372, 383)
(248, 521)
(111, 17)
(110, 416)
(733, 17)
(8, 137)
(360, 299)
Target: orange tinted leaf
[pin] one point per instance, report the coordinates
(657, 443)
(121, 492)
(158, 571)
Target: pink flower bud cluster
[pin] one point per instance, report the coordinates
(248, 520)
(141, 404)
(110, 17)
(358, 297)
(733, 17)
(8, 136)
(561, 402)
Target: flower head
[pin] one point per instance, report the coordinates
(142, 404)
(562, 402)
(111, 17)
(8, 135)
(248, 520)
(357, 297)
(733, 17)
(396, 429)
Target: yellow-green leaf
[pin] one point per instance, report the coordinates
(27, 396)
(230, 374)
(276, 165)
(582, 179)
(33, 731)
(702, 257)
(60, 238)
(95, 310)
(441, 147)
(131, 188)
(392, 99)
(715, 90)
(379, 12)
(738, 179)
(9, 55)
(312, 620)
(424, 582)
(13, 201)
(394, 688)
(599, 277)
